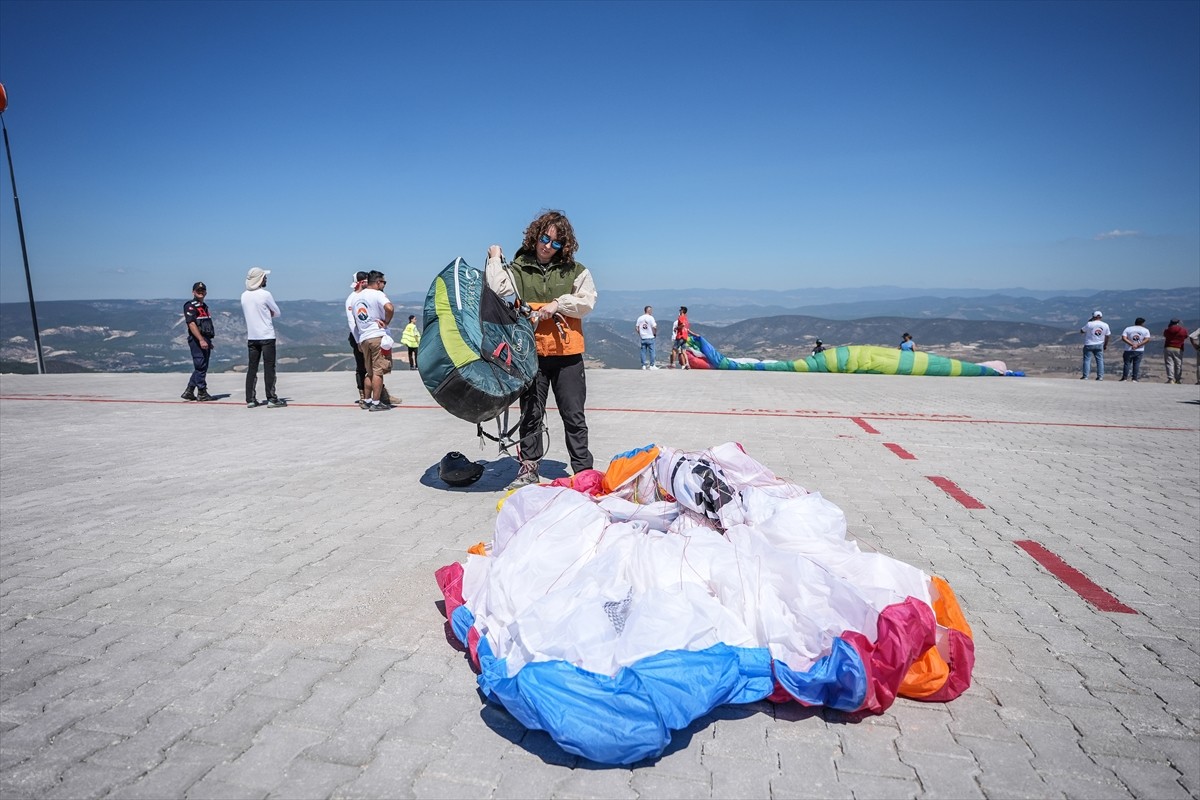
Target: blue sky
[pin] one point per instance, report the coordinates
(693, 145)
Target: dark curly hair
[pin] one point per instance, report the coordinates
(566, 235)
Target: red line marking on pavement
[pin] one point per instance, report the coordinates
(900, 451)
(862, 423)
(951, 488)
(890, 418)
(1081, 584)
(858, 419)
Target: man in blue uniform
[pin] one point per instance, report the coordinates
(200, 335)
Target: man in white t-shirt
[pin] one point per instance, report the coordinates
(373, 314)
(1194, 338)
(647, 330)
(1095, 341)
(1135, 338)
(360, 366)
(258, 306)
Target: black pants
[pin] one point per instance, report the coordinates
(266, 349)
(200, 356)
(360, 371)
(565, 374)
(360, 366)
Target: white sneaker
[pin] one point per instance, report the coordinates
(653, 366)
(527, 475)
(644, 366)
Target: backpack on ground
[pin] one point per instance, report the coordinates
(477, 354)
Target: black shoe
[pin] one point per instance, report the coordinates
(275, 402)
(190, 394)
(254, 404)
(203, 396)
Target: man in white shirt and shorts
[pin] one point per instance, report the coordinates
(373, 314)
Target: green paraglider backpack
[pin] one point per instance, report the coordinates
(477, 353)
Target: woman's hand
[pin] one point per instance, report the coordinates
(495, 252)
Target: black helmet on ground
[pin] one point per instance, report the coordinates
(457, 470)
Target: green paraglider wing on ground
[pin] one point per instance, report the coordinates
(857, 358)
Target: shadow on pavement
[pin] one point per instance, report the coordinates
(496, 475)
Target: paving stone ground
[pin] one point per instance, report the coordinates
(207, 601)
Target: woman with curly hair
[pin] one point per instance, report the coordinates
(545, 274)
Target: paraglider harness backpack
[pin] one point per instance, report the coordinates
(477, 353)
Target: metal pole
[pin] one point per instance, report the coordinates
(37, 334)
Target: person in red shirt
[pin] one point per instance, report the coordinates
(681, 331)
(1173, 338)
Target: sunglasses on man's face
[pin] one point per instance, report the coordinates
(554, 243)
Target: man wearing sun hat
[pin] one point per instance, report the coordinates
(199, 338)
(260, 310)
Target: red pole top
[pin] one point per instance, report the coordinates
(3, 99)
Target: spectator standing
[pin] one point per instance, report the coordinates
(411, 338)
(560, 290)
(907, 344)
(1096, 334)
(1194, 338)
(819, 347)
(1135, 338)
(647, 330)
(1173, 338)
(360, 367)
(373, 314)
(258, 306)
(680, 330)
(200, 338)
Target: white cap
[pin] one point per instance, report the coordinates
(1097, 314)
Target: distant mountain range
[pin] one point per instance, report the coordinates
(1037, 333)
(720, 306)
